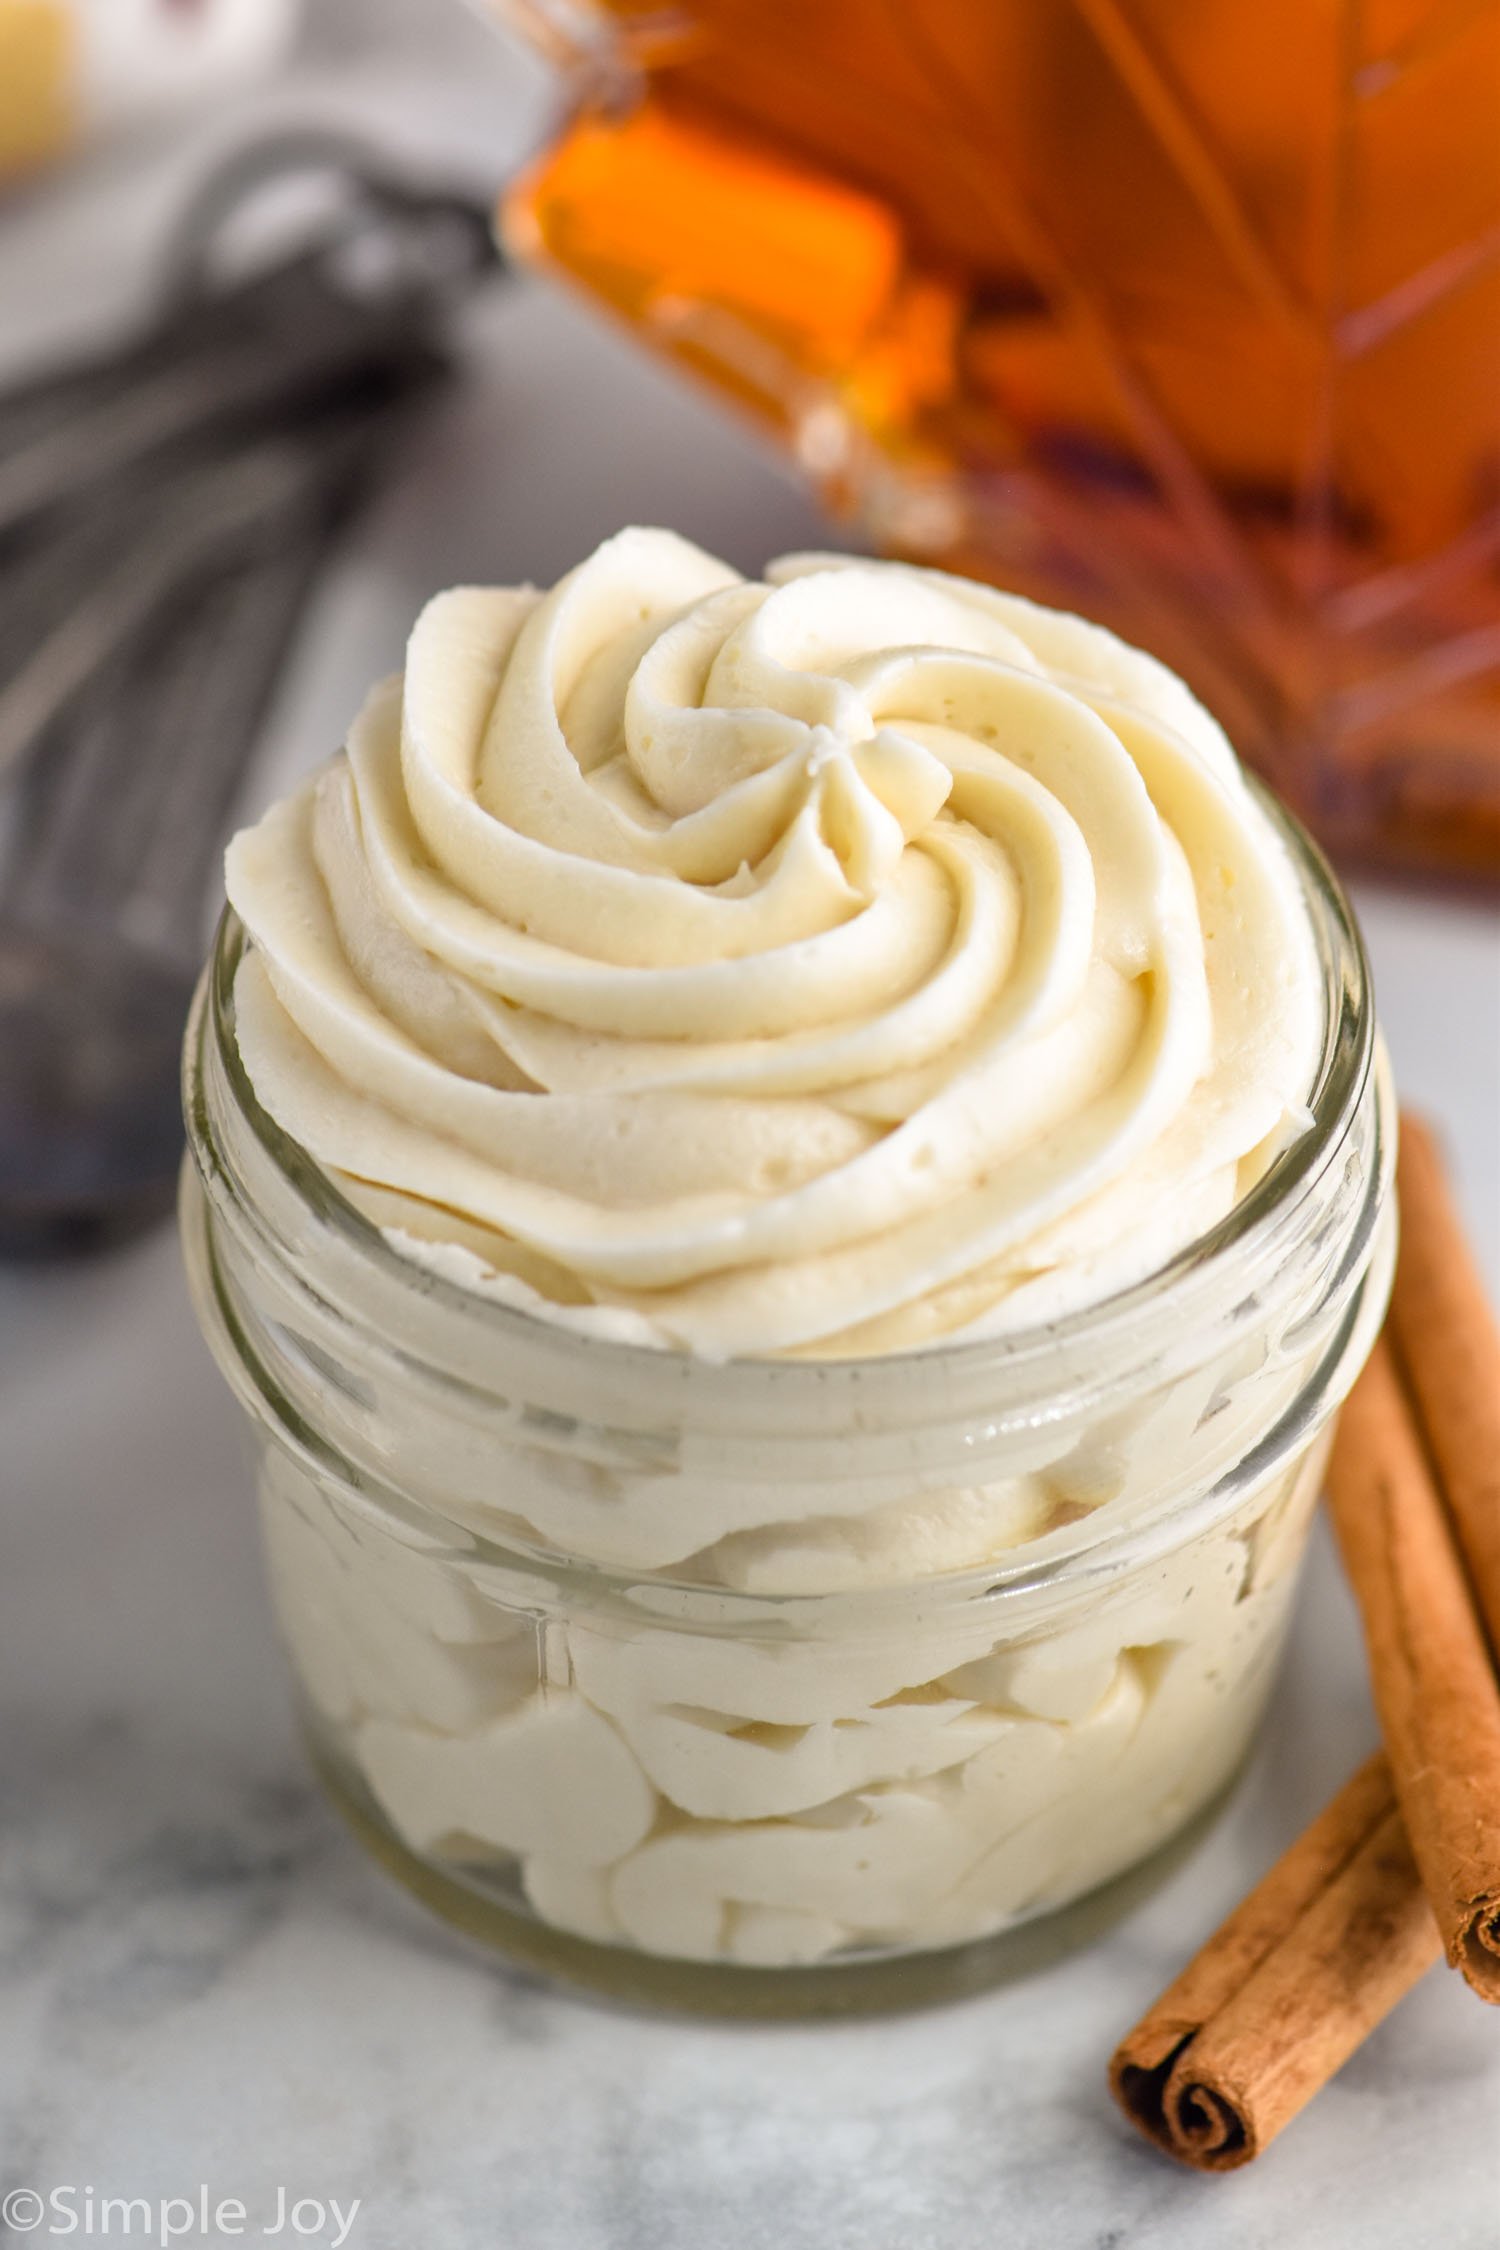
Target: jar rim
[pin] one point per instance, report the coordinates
(964, 1397)
(1343, 1072)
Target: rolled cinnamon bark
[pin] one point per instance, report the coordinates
(1434, 1682)
(1286, 1989)
(1449, 1352)
(1405, 1862)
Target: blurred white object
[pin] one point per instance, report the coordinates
(136, 56)
(72, 69)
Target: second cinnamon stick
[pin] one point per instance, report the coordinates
(1282, 1994)
(1449, 1353)
(1435, 1686)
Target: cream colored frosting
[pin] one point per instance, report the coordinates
(835, 964)
(838, 964)
(776, 1802)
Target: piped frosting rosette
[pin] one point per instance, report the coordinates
(836, 964)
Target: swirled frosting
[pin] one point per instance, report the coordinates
(839, 963)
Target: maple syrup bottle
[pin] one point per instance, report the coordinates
(1185, 317)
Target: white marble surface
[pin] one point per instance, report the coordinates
(201, 1982)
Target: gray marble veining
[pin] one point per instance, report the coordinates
(202, 1983)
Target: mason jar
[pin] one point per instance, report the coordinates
(588, 1642)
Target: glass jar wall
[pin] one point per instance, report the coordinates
(1185, 318)
(776, 1681)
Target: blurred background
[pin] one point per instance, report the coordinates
(312, 307)
(257, 408)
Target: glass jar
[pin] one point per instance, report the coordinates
(747, 1772)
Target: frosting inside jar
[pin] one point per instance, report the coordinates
(774, 1802)
(826, 967)
(833, 965)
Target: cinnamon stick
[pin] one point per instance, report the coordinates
(1448, 1348)
(1405, 1862)
(1434, 1682)
(1286, 1989)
